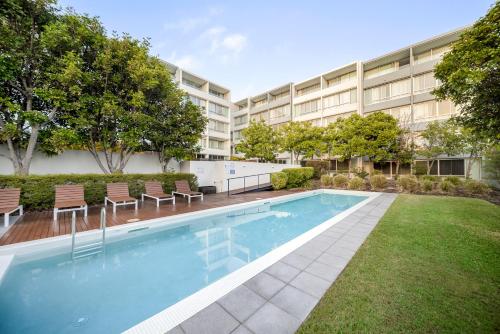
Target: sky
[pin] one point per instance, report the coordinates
(255, 45)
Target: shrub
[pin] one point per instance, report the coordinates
(279, 180)
(320, 167)
(37, 191)
(376, 172)
(408, 183)
(360, 172)
(432, 178)
(340, 181)
(298, 176)
(447, 186)
(476, 187)
(378, 181)
(326, 180)
(427, 185)
(457, 181)
(356, 183)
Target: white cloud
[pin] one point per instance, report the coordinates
(186, 25)
(235, 42)
(188, 62)
(225, 46)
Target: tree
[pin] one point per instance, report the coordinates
(302, 139)
(380, 132)
(259, 141)
(405, 145)
(475, 144)
(176, 128)
(26, 112)
(439, 138)
(470, 75)
(492, 165)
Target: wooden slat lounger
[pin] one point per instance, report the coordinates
(70, 197)
(117, 194)
(155, 191)
(182, 188)
(9, 203)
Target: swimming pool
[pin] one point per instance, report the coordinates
(143, 273)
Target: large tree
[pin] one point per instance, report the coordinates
(26, 111)
(470, 75)
(259, 141)
(439, 138)
(302, 140)
(475, 145)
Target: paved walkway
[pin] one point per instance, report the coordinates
(279, 299)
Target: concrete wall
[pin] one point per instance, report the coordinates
(81, 162)
(216, 173)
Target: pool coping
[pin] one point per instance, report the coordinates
(177, 313)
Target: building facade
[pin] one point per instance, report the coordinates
(398, 83)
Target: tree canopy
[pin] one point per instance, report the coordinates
(470, 75)
(302, 139)
(259, 141)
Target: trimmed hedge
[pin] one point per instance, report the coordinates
(37, 191)
(279, 180)
(297, 177)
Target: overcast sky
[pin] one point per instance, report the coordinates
(252, 46)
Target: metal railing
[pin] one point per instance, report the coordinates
(88, 249)
(244, 181)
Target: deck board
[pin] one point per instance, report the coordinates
(40, 225)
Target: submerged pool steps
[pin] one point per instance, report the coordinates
(90, 248)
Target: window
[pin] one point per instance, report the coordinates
(217, 126)
(431, 54)
(334, 100)
(307, 107)
(260, 102)
(216, 93)
(243, 119)
(451, 167)
(424, 83)
(431, 109)
(402, 113)
(387, 91)
(237, 135)
(308, 89)
(280, 95)
(217, 109)
(445, 108)
(341, 79)
(216, 144)
(260, 116)
(279, 112)
(191, 83)
(316, 122)
(387, 68)
(334, 118)
(216, 157)
(197, 101)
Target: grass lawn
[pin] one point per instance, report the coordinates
(432, 265)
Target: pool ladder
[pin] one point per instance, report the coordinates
(87, 249)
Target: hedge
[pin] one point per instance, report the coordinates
(279, 180)
(297, 177)
(37, 191)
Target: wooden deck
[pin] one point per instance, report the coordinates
(39, 225)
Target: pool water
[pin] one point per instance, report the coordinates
(138, 277)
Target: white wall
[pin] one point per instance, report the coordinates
(216, 173)
(82, 162)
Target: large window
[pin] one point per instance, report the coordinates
(387, 68)
(308, 89)
(243, 119)
(341, 79)
(197, 101)
(237, 135)
(424, 82)
(280, 95)
(431, 54)
(432, 109)
(387, 91)
(217, 109)
(260, 102)
(217, 126)
(442, 167)
(402, 113)
(260, 116)
(216, 93)
(279, 112)
(338, 99)
(216, 144)
(334, 118)
(191, 83)
(307, 107)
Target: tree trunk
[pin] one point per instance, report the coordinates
(397, 168)
(429, 167)
(472, 157)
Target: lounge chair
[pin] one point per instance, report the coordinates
(182, 188)
(9, 203)
(117, 194)
(70, 197)
(155, 191)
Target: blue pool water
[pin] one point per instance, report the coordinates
(140, 276)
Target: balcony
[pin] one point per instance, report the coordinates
(397, 74)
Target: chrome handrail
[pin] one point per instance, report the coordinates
(244, 181)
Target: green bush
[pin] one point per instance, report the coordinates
(297, 177)
(360, 172)
(476, 187)
(427, 185)
(340, 181)
(408, 183)
(457, 181)
(326, 180)
(279, 180)
(376, 172)
(321, 167)
(37, 191)
(447, 186)
(432, 178)
(378, 181)
(356, 183)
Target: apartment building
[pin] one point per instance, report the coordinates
(215, 101)
(398, 83)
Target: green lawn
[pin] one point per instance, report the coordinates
(432, 265)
